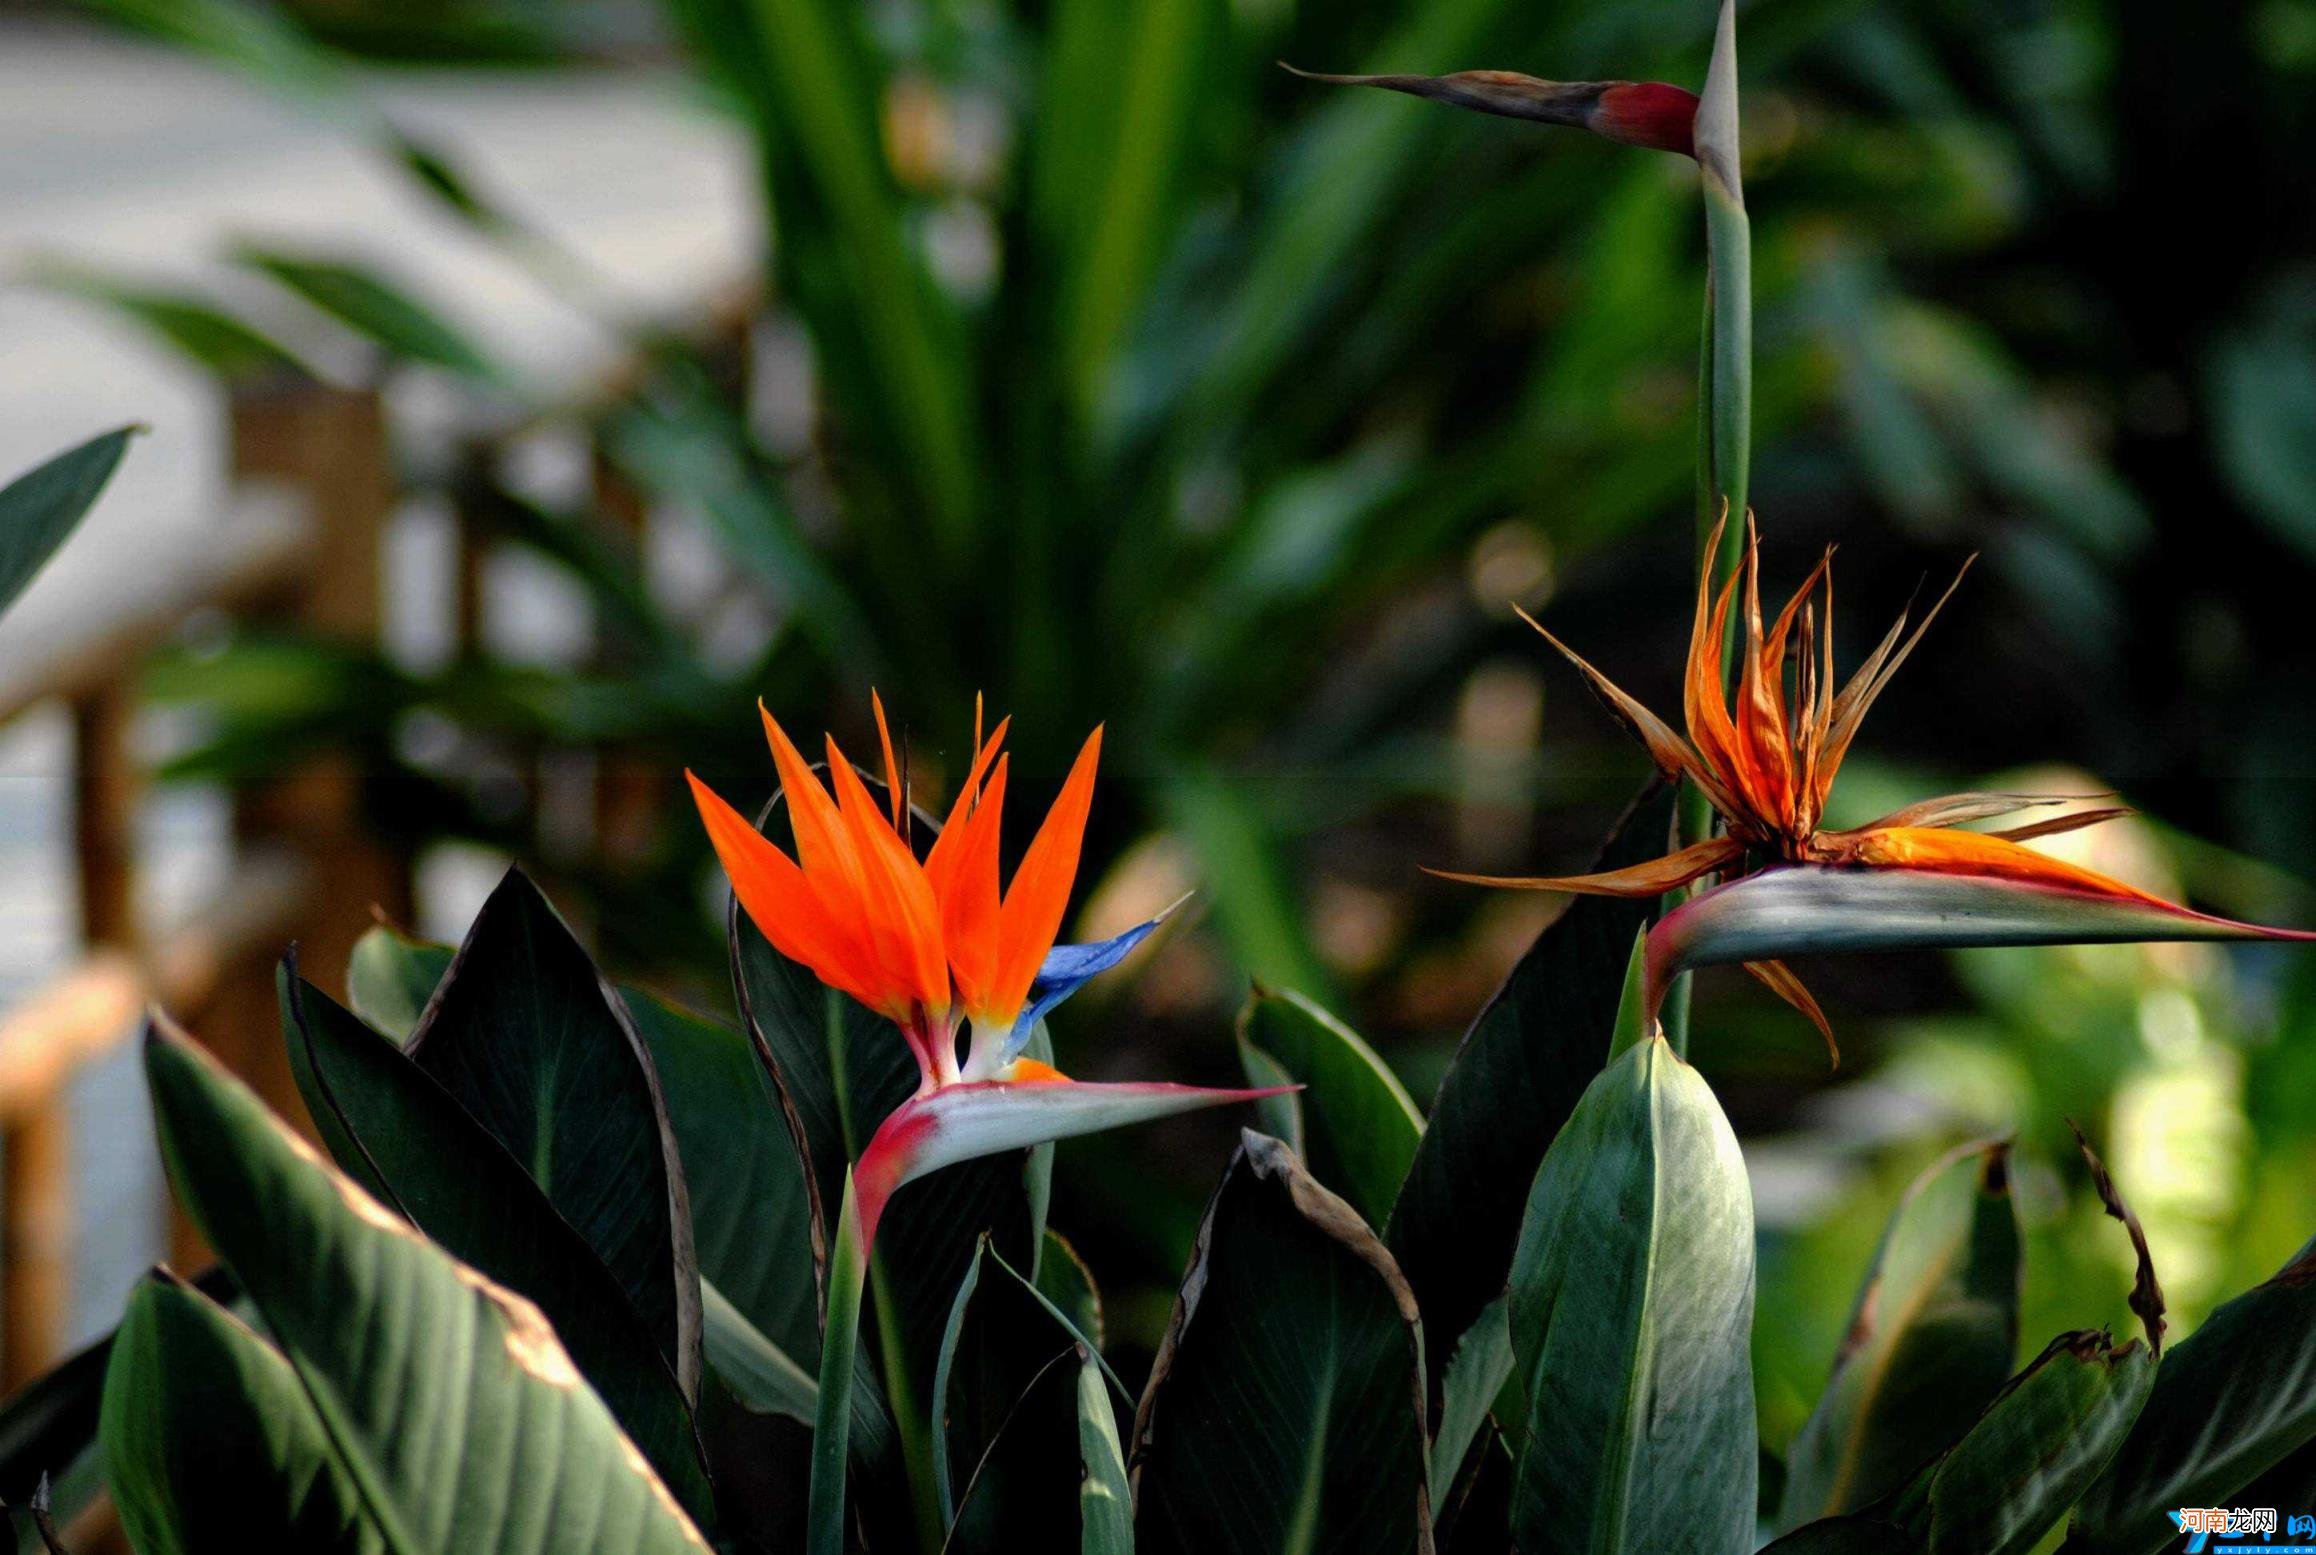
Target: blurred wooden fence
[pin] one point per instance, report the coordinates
(312, 488)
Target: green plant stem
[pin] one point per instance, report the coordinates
(824, 1510)
(909, 1421)
(1725, 401)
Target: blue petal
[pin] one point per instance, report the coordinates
(1065, 969)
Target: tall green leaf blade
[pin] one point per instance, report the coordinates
(409, 1143)
(210, 1443)
(890, 343)
(1632, 1309)
(1285, 1410)
(1929, 1342)
(208, 336)
(530, 1040)
(1514, 1082)
(376, 309)
(39, 509)
(2230, 1401)
(454, 1409)
(1362, 1127)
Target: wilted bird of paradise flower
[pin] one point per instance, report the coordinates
(1766, 760)
(935, 947)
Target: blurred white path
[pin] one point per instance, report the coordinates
(117, 154)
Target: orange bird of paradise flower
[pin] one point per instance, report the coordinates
(1766, 759)
(935, 946)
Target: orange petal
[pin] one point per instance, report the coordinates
(779, 900)
(1778, 978)
(1849, 708)
(1669, 751)
(894, 790)
(969, 899)
(1040, 891)
(1028, 1071)
(940, 859)
(1653, 878)
(903, 920)
(1979, 853)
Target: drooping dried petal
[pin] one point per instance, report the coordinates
(1653, 878)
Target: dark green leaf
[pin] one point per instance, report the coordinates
(1929, 1342)
(2230, 1401)
(751, 1219)
(1008, 1455)
(394, 1130)
(2032, 1454)
(1474, 1380)
(374, 308)
(1514, 1081)
(1361, 1129)
(528, 1038)
(210, 1443)
(1285, 1410)
(412, 1360)
(40, 508)
(1631, 1311)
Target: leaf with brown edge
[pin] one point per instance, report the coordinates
(2233, 1402)
(2034, 1451)
(1285, 1409)
(1930, 1342)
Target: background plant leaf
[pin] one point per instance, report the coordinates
(1360, 1127)
(1929, 1342)
(1285, 1410)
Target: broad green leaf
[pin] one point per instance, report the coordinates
(530, 1040)
(1361, 1128)
(409, 1143)
(40, 508)
(1009, 1469)
(365, 302)
(1514, 1081)
(2032, 1453)
(448, 1399)
(1285, 1410)
(48, 1431)
(210, 1443)
(2230, 1401)
(1105, 1496)
(391, 975)
(761, 1375)
(1631, 1308)
(751, 1220)
(1929, 1342)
